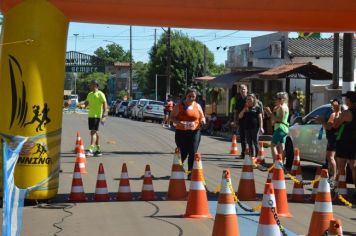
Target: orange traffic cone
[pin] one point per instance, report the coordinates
(77, 142)
(279, 186)
(267, 224)
(335, 228)
(147, 193)
(323, 209)
(298, 188)
(197, 204)
(261, 154)
(234, 150)
(77, 192)
(296, 162)
(81, 159)
(247, 190)
(341, 187)
(177, 189)
(270, 174)
(124, 193)
(226, 222)
(316, 184)
(101, 190)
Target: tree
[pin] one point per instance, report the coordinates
(187, 62)
(141, 70)
(84, 81)
(113, 53)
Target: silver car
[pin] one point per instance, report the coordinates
(152, 110)
(308, 136)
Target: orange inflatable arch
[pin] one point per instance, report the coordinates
(279, 15)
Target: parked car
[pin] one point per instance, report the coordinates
(121, 108)
(308, 136)
(137, 108)
(152, 110)
(112, 107)
(130, 105)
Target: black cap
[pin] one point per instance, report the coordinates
(95, 82)
(350, 95)
(338, 100)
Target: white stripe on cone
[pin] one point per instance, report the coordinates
(225, 188)
(147, 187)
(196, 185)
(267, 198)
(279, 184)
(81, 165)
(324, 186)
(77, 175)
(101, 177)
(226, 209)
(124, 175)
(101, 191)
(77, 189)
(342, 178)
(323, 207)
(247, 175)
(177, 175)
(147, 173)
(268, 230)
(124, 189)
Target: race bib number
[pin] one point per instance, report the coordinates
(189, 125)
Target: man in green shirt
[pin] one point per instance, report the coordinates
(97, 112)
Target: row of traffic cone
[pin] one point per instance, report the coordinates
(260, 155)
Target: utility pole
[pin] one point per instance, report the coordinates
(348, 63)
(75, 73)
(204, 82)
(155, 43)
(168, 88)
(130, 76)
(335, 84)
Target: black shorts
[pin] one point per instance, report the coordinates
(331, 146)
(345, 150)
(93, 123)
(167, 113)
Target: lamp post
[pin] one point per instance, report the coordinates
(75, 73)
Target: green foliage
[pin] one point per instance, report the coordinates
(113, 53)
(216, 69)
(84, 81)
(301, 99)
(141, 70)
(187, 62)
(121, 94)
(214, 94)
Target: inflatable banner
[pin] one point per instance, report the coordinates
(31, 85)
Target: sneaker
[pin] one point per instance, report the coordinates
(98, 153)
(89, 153)
(242, 156)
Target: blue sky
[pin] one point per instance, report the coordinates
(92, 36)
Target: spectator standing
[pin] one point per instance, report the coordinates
(279, 118)
(252, 114)
(168, 108)
(346, 137)
(331, 132)
(240, 104)
(97, 113)
(188, 117)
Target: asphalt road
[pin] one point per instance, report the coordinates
(140, 143)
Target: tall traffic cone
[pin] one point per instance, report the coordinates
(267, 225)
(335, 228)
(316, 184)
(234, 150)
(124, 193)
(197, 204)
(323, 209)
(77, 142)
(77, 191)
(261, 154)
(296, 162)
(226, 222)
(101, 190)
(177, 189)
(279, 186)
(147, 193)
(298, 188)
(247, 190)
(341, 186)
(81, 159)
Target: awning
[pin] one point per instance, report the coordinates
(227, 80)
(204, 78)
(306, 69)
